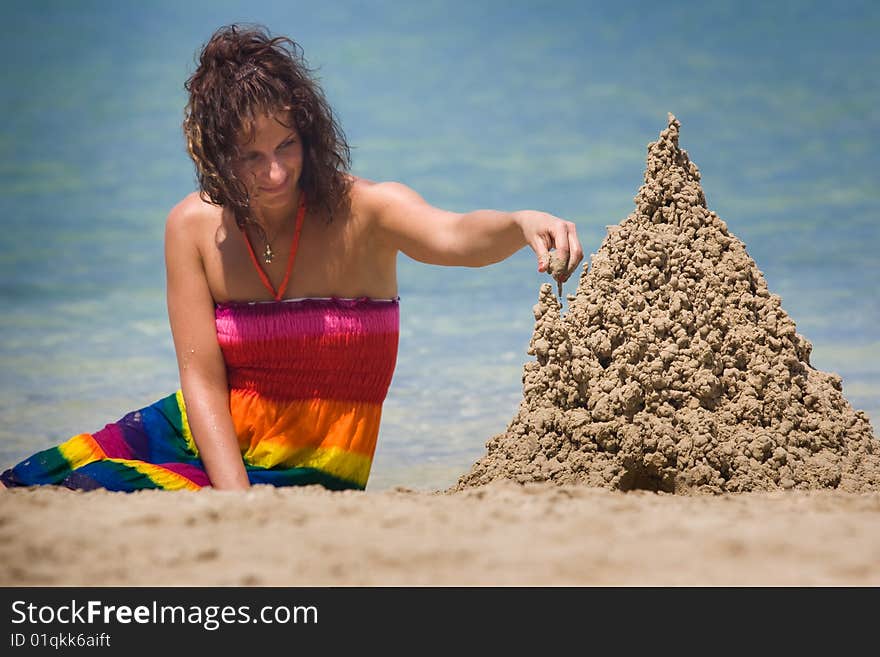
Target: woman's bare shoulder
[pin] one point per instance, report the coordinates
(371, 196)
(192, 219)
(193, 210)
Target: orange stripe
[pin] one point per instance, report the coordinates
(263, 425)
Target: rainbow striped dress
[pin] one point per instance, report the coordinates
(307, 380)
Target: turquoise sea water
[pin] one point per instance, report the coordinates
(509, 105)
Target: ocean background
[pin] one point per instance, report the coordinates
(506, 105)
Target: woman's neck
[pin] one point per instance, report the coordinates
(274, 218)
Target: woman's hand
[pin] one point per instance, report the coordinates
(544, 232)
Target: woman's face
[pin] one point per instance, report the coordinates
(270, 161)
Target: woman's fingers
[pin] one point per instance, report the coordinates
(568, 250)
(575, 252)
(561, 236)
(560, 241)
(543, 254)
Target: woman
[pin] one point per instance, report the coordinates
(282, 291)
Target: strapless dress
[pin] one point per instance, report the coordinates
(307, 381)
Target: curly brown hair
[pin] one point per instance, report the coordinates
(243, 72)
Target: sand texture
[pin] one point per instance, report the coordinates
(672, 432)
(676, 369)
(500, 534)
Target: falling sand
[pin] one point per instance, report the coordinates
(675, 369)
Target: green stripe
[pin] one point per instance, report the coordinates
(299, 477)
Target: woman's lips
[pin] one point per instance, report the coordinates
(274, 190)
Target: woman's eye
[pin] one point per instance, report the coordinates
(288, 143)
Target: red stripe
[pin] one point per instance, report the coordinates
(312, 350)
(337, 367)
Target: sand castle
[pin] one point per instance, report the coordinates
(675, 368)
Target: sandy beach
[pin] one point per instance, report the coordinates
(502, 534)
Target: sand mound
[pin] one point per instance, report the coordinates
(675, 369)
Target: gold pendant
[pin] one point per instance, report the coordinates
(267, 255)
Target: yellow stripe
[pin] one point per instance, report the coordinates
(184, 421)
(81, 450)
(161, 476)
(350, 466)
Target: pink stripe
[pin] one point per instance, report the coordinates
(244, 323)
(112, 441)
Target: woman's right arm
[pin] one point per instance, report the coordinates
(199, 359)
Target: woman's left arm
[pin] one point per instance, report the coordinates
(471, 239)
